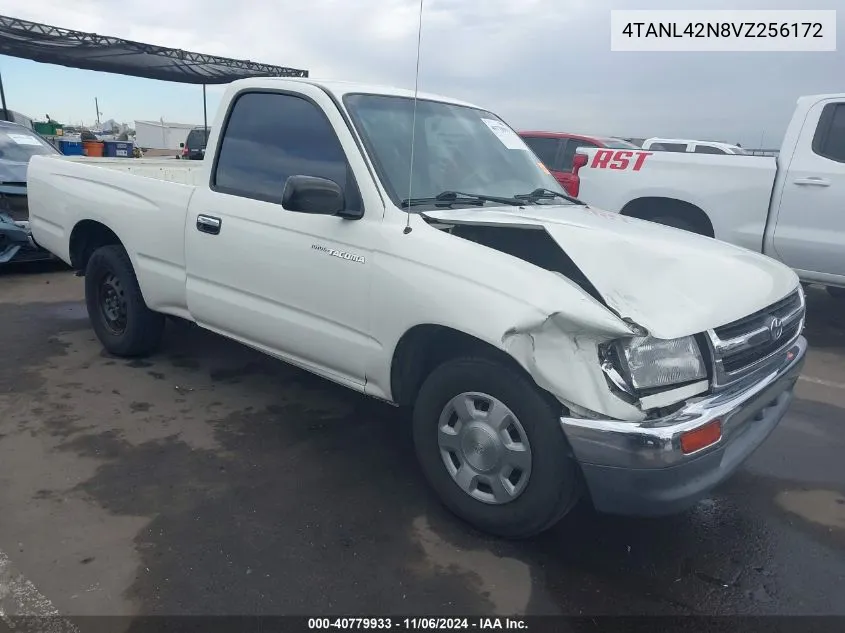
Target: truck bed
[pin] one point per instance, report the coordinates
(184, 172)
(145, 201)
(734, 191)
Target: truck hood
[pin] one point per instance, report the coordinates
(671, 282)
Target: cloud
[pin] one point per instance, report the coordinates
(537, 63)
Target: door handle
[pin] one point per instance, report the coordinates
(813, 180)
(208, 224)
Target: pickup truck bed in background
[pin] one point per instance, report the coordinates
(791, 208)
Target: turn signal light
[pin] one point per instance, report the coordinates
(701, 437)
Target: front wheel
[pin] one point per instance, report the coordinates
(120, 317)
(491, 445)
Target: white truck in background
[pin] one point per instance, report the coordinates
(691, 146)
(791, 208)
(549, 351)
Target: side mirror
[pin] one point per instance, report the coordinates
(181, 145)
(309, 194)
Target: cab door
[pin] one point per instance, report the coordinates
(810, 223)
(294, 284)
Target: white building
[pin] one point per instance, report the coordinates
(111, 124)
(161, 134)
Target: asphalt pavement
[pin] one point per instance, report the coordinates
(211, 479)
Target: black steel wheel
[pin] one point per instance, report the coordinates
(112, 299)
(120, 317)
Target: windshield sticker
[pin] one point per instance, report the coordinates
(24, 139)
(507, 136)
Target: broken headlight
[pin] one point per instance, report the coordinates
(646, 362)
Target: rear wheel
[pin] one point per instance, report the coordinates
(120, 317)
(491, 445)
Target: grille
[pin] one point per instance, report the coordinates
(738, 361)
(781, 309)
(742, 346)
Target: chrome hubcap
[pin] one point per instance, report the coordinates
(484, 447)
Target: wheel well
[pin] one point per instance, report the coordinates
(424, 347)
(87, 236)
(650, 208)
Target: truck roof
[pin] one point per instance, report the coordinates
(341, 88)
(819, 97)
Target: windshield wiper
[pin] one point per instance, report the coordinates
(547, 194)
(448, 198)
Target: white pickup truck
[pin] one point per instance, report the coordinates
(549, 351)
(791, 208)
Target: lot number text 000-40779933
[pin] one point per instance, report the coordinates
(742, 31)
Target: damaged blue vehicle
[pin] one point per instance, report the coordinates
(17, 145)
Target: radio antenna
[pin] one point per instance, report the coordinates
(414, 125)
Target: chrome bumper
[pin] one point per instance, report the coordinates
(639, 467)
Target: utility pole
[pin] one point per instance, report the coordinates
(97, 107)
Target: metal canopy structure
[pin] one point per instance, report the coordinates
(89, 51)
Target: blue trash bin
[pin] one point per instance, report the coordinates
(118, 149)
(71, 148)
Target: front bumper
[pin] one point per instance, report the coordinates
(16, 243)
(638, 468)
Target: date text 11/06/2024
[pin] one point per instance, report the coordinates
(415, 624)
(723, 29)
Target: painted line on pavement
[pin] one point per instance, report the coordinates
(821, 381)
(24, 608)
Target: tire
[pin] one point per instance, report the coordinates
(553, 484)
(676, 222)
(836, 292)
(121, 320)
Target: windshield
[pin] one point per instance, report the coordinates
(456, 148)
(19, 145)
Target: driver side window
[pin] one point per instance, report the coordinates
(269, 137)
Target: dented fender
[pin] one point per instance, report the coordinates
(563, 359)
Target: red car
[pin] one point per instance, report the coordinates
(557, 151)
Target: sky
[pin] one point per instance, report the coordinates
(539, 64)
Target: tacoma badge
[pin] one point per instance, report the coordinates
(341, 254)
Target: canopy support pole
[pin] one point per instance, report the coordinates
(3, 99)
(204, 112)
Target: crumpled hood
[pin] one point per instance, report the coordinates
(672, 282)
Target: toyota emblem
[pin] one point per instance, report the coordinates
(775, 328)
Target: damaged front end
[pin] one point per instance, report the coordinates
(603, 374)
(596, 368)
(655, 374)
(675, 360)
(16, 243)
(661, 409)
(665, 290)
